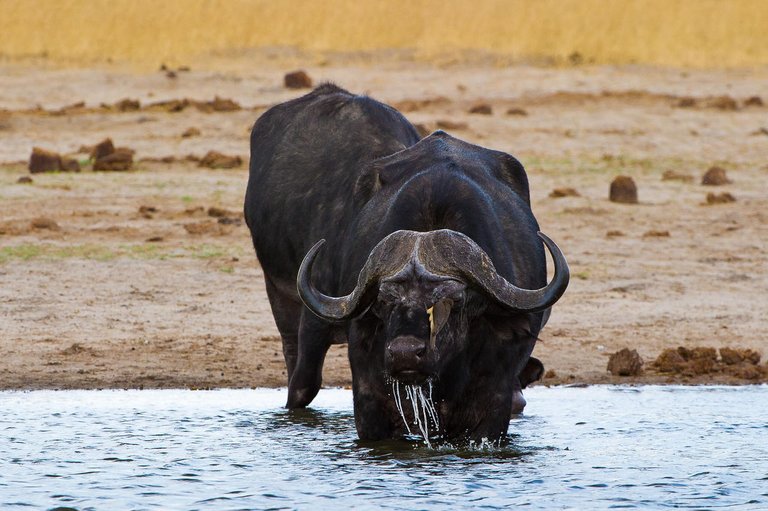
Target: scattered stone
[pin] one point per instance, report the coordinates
(223, 105)
(217, 160)
(720, 198)
(517, 111)
(128, 105)
(171, 105)
(450, 125)
(760, 131)
(656, 234)
(297, 80)
(191, 132)
(102, 149)
(701, 360)
(121, 159)
(147, 211)
(724, 103)
(70, 164)
(44, 161)
(228, 220)
(669, 361)
(412, 105)
(732, 356)
(204, 227)
(754, 101)
(671, 175)
(550, 374)
(218, 212)
(625, 362)
(623, 190)
(686, 102)
(715, 176)
(481, 109)
(24, 180)
(155, 239)
(45, 223)
(171, 74)
(614, 234)
(564, 192)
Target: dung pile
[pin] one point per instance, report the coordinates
(737, 362)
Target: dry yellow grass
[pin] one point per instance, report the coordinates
(699, 33)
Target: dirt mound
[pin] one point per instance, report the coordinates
(217, 160)
(481, 109)
(740, 363)
(564, 192)
(671, 175)
(720, 198)
(118, 159)
(625, 362)
(297, 80)
(48, 161)
(623, 190)
(715, 176)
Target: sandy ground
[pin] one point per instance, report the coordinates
(112, 295)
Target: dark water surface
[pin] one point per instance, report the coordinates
(575, 448)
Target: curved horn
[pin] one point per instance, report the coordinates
(475, 265)
(390, 255)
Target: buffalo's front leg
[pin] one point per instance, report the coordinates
(314, 341)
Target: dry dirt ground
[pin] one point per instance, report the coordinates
(122, 279)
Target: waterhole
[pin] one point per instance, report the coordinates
(574, 448)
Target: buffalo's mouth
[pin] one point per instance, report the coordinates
(410, 377)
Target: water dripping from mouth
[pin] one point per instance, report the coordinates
(424, 412)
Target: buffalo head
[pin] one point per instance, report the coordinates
(423, 288)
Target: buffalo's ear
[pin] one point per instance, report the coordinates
(533, 371)
(367, 184)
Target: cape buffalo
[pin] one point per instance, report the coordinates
(422, 255)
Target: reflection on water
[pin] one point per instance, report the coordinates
(590, 448)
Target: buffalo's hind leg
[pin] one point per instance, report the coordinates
(314, 341)
(285, 309)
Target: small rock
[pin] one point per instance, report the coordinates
(671, 175)
(614, 233)
(720, 198)
(715, 176)
(191, 132)
(217, 212)
(70, 164)
(564, 192)
(102, 149)
(128, 105)
(45, 223)
(228, 220)
(154, 239)
(121, 159)
(217, 160)
(44, 161)
(656, 234)
(517, 111)
(623, 190)
(669, 361)
(481, 109)
(733, 356)
(450, 125)
(625, 363)
(754, 101)
(686, 102)
(297, 80)
(224, 105)
(204, 227)
(724, 103)
(550, 374)
(24, 180)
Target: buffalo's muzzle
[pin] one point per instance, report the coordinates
(407, 359)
